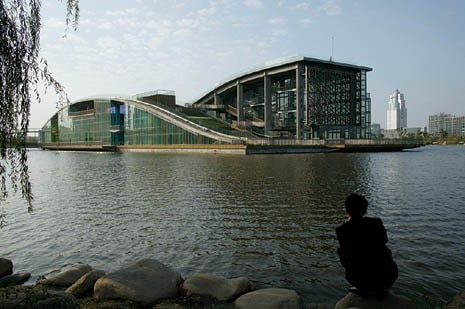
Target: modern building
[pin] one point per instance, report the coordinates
(442, 123)
(299, 98)
(295, 105)
(146, 119)
(396, 112)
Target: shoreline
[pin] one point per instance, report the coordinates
(80, 286)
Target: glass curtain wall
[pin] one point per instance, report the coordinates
(144, 128)
(283, 103)
(111, 122)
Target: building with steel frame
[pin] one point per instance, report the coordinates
(299, 98)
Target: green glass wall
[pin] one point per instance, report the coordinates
(110, 122)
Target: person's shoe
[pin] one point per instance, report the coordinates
(359, 292)
(369, 294)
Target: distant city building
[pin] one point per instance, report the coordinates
(443, 123)
(412, 131)
(375, 130)
(390, 134)
(396, 112)
(404, 132)
(457, 126)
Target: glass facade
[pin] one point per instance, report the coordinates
(298, 98)
(283, 103)
(113, 122)
(309, 100)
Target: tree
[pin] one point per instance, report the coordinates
(21, 71)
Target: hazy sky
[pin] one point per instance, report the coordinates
(129, 47)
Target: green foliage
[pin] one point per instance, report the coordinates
(21, 70)
(447, 140)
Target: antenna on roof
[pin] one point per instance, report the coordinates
(332, 49)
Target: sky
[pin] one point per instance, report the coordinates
(134, 46)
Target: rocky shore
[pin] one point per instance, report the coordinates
(149, 283)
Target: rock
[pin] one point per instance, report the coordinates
(390, 301)
(457, 302)
(85, 284)
(145, 282)
(15, 279)
(25, 297)
(67, 276)
(273, 298)
(216, 287)
(6, 267)
(57, 299)
(193, 302)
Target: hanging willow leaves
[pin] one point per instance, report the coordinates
(21, 71)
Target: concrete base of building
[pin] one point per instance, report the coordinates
(219, 149)
(240, 148)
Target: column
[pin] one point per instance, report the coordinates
(217, 99)
(267, 99)
(299, 96)
(240, 100)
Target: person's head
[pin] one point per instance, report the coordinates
(356, 205)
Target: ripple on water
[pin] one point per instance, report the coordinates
(270, 218)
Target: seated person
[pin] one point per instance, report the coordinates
(367, 260)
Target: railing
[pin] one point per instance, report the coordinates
(74, 144)
(81, 113)
(382, 141)
(285, 142)
(324, 142)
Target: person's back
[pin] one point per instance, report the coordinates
(363, 251)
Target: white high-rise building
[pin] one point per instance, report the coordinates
(396, 112)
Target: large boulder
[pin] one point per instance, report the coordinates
(457, 302)
(272, 298)
(6, 267)
(15, 279)
(66, 276)
(390, 301)
(216, 287)
(85, 284)
(145, 282)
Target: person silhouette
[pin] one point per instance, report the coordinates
(369, 266)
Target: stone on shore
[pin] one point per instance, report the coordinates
(85, 284)
(457, 302)
(210, 285)
(66, 276)
(25, 297)
(145, 282)
(15, 279)
(6, 267)
(272, 298)
(390, 301)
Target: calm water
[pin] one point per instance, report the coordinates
(269, 218)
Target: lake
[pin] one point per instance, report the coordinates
(271, 218)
